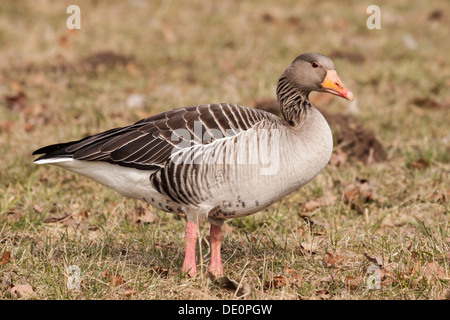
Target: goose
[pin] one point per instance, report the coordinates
(214, 161)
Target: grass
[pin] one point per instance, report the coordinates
(177, 54)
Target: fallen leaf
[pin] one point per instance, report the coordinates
(327, 199)
(378, 260)
(330, 277)
(114, 280)
(436, 14)
(268, 17)
(128, 293)
(14, 216)
(83, 215)
(310, 247)
(292, 278)
(296, 280)
(358, 193)
(22, 291)
(446, 295)
(353, 282)
(429, 103)
(63, 40)
(294, 21)
(16, 102)
(419, 164)
(440, 196)
(37, 208)
(387, 281)
(323, 294)
(242, 291)
(331, 260)
(433, 270)
(6, 257)
(312, 205)
(276, 282)
(351, 193)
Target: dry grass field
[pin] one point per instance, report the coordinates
(134, 58)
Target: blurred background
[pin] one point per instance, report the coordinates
(135, 58)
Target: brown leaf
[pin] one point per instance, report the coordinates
(440, 196)
(268, 17)
(83, 215)
(331, 260)
(128, 293)
(37, 208)
(296, 280)
(242, 291)
(323, 294)
(13, 216)
(6, 257)
(276, 282)
(351, 193)
(16, 102)
(114, 280)
(446, 295)
(358, 193)
(22, 291)
(433, 270)
(429, 103)
(436, 14)
(310, 247)
(311, 205)
(330, 277)
(327, 199)
(293, 277)
(419, 164)
(378, 260)
(353, 282)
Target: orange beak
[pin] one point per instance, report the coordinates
(332, 84)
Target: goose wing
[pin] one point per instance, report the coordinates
(150, 142)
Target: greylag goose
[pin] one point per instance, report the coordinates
(214, 161)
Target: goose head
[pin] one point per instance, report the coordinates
(315, 72)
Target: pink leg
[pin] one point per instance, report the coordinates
(215, 266)
(189, 265)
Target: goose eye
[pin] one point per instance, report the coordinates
(315, 64)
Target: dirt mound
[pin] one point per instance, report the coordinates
(356, 141)
(108, 59)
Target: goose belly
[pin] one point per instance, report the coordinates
(249, 191)
(128, 182)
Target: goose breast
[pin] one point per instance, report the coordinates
(242, 174)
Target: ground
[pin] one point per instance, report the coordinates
(360, 220)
